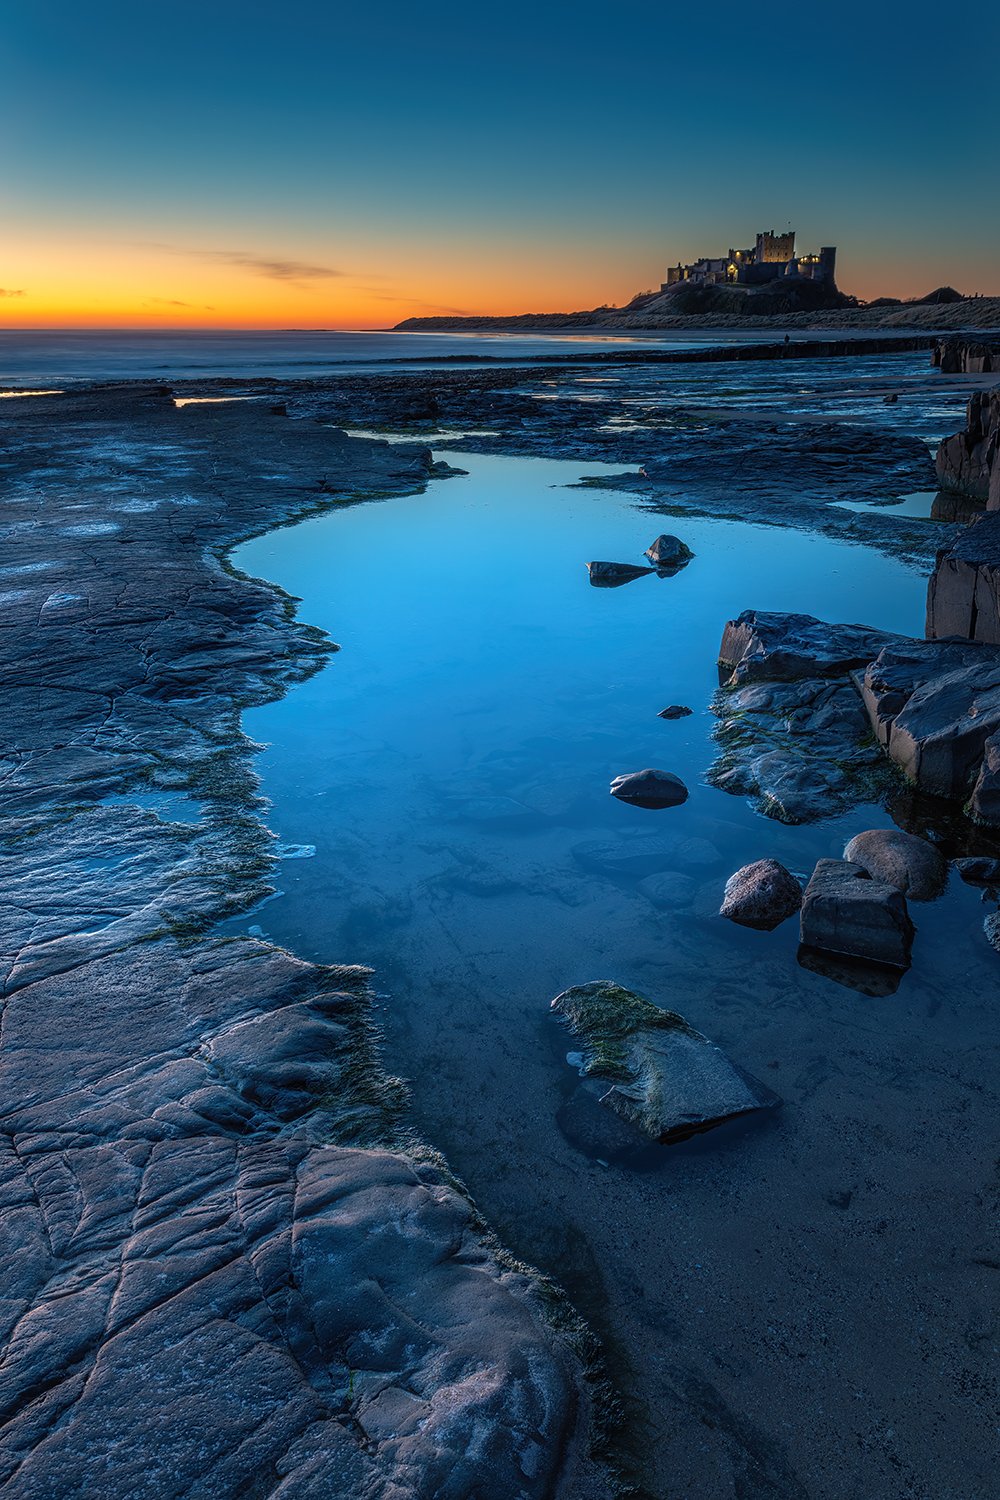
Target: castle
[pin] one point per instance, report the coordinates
(772, 256)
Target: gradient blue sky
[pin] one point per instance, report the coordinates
(226, 162)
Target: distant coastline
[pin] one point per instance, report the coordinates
(965, 314)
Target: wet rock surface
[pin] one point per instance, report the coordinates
(963, 595)
(669, 554)
(793, 731)
(846, 912)
(203, 1189)
(666, 1078)
(901, 859)
(761, 895)
(611, 575)
(969, 461)
(650, 788)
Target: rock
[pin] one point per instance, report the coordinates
(761, 895)
(801, 750)
(901, 859)
(222, 1272)
(970, 460)
(962, 357)
(665, 1077)
(934, 705)
(650, 788)
(979, 870)
(763, 646)
(846, 912)
(669, 553)
(611, 575)
(675, 711)
(668, 890)
(963, 595)
(634, 858)
(991, 927)
(984, 804)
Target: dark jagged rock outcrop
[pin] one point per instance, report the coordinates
(963, 595)
(793, 730)
(222, 1274)
(666, 1078)
(969, 462)
(962, 357)
(797, 737)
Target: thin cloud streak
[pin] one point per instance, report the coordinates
(4, 292)
(175, 302)
(274, 268)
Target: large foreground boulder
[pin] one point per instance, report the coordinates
(761, 895)
(665, 1077)
(765, 646)
(846, 912)
(901, 859)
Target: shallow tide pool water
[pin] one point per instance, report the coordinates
(450, 767)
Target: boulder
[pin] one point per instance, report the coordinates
(963, 595)
(665, 1077)
(761, 895)
(984, 804)
(844, 911)
(650, 788)
(901, 859)
(669, 553)
(611, 575)
(674, 711)
(979, 870)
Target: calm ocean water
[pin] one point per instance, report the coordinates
(41, 356)
(37, 357)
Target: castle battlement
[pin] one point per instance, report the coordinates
(771, 257)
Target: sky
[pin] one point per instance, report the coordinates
(323, 165)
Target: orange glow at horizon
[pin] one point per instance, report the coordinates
(95, 285)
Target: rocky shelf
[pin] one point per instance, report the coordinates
(209, 1189)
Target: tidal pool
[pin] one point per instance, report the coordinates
(783, 1304)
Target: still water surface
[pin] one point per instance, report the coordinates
(450, 769)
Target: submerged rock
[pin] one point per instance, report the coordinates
(669, 553)
(979, 870)
(844, 911)
(650, 788)
(611, 575)
(665, 1077)
(674, 711)
(909, 863)
(761, 895)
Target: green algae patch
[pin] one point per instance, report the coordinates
(605, 1016)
